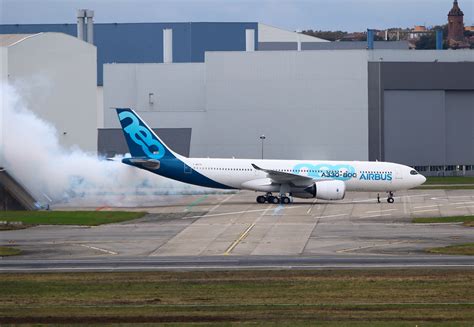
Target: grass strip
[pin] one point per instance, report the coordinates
(460, 249)
(88, 218)
(467, 220)
(296, 298)
(8, 251)
(449, 180)
(444, 187)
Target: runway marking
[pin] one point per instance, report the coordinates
(376, 215)
(357, 201)
(332, 216)
(196, 202)
(222, 202)
(451, 197)
(421, 207)
(385, 210)
(98, 249)
(234, 213)
(237, 241)
(426, 210)
(370, 246)
(412, 196)
(310, 207)
(244, 234)
(456, 203)
(464, 207)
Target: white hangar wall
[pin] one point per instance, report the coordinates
(308, 104)
(56, 75)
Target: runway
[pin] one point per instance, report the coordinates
(233, 263)
(231, 231)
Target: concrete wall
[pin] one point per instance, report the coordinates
(56, 76)
(178, 93)
(308, 104)
(100, 107)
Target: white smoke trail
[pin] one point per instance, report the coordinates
(30, 151)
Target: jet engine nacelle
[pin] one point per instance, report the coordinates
(327, 190)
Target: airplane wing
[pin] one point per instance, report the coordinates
(283, 177)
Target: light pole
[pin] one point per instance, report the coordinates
(263, 139)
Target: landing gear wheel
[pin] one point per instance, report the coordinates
(261, 199)
(390, 200)
(285, 200)
(273, 199)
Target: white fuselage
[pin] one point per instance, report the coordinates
(357, 175)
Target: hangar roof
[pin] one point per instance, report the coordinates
(143, 42)
(7, 40)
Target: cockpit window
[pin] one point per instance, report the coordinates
(413, 172)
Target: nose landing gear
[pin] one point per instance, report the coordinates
(390, 198)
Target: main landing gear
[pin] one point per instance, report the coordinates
(273, 199)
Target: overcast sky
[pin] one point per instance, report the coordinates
(349, 15)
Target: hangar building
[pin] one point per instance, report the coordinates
(55, 75)
(226, 84)
(329, 104)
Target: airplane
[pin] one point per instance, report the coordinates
(325, 180)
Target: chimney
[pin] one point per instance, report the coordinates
(81, 13)
(90, 25)
(298, 40)
(167, 45)
(250, 40)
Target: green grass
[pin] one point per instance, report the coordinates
(448, 183)
(88, 218)
(449, 180)
(467, 220)
(8, 251)
(444, 187)
(289, 298)
(461, 249)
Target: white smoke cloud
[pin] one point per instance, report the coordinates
(30, 151)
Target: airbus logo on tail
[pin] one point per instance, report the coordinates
(142, 137)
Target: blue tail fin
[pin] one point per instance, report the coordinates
(142, 141)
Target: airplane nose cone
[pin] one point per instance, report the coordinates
(422, 179)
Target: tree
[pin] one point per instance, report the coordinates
(428, 41)
(327, 35)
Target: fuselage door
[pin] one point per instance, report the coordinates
(398, 173)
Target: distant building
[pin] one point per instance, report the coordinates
(456, 27)
(417, 32)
